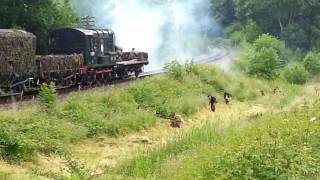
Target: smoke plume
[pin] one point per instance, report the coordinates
(168, 30)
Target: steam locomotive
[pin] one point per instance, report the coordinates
(76, 57)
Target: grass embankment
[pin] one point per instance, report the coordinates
(276, 145)
(122, 111)
(116, 112)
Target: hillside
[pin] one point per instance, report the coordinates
(124, 133)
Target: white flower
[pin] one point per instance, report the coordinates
(313, 119)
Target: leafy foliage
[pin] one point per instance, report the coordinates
(312, 62)
(264, 63)
(38, 17)
(290, 20)
(48, 96)
(295, 73)
(272, 146)
(175, 70)
(263, 58)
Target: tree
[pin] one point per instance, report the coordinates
(38, 17)
(315, 33)
(295, 73)
(264, 63)
(292, 20)
(267, 41)
(223, 11)
(312, 62)
(295, 36)
(238, 33)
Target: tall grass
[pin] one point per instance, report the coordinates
(149, 163)
(275, 146)
(118, 111)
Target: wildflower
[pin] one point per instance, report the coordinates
(313, 119)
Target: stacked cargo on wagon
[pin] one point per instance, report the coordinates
(17, 52)
(132, 62)
(61, 69)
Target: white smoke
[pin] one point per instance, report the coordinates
(167, 30)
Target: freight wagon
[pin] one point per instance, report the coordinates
(75, 57)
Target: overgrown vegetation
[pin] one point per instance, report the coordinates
(268, 58)
(116, 112)
(140, 106)
(112, 113)
(273, 146)
(293, 21)
(275, 36)
(48, 97)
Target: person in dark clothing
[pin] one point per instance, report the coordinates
(212, 102)
(227, 97)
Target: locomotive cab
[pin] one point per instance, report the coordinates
(97, 46)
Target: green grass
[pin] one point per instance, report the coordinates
(275, 146)
(278, 146)
(149, 163)
(142, 105)
(111, 113)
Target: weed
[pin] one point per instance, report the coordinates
(48, 96)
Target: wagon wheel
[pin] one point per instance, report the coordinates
(136, 73)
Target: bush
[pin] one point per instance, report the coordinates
(264, 63)
(175, 70)
(295, 73)
(48, 96)
(113, 113)
(312, 62)
(30, 132)
(268, 41)
(264, 58)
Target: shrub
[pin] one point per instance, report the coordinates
(48, 96)
(312, 62)
(264, 63)
(175, 70)
(268, 41)
(264, 57)
(295, 73)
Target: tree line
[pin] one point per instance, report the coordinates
(296, 22)
(37, 16)
(280, 39)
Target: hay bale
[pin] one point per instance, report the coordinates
(140, 56)
(17, 51)
(59, 64)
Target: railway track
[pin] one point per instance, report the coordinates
(32, 95)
